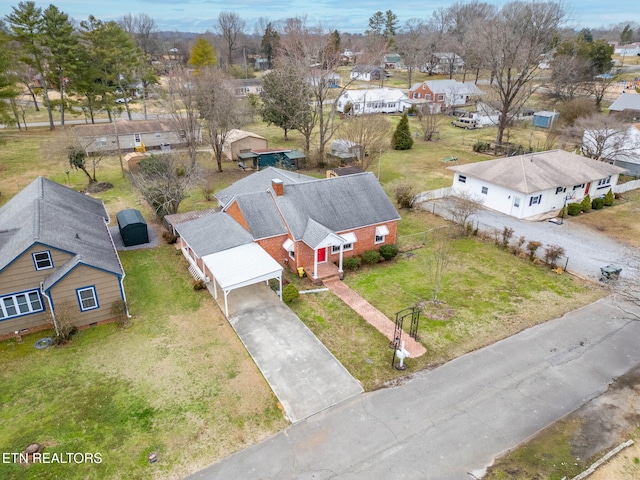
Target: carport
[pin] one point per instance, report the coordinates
(239, 267)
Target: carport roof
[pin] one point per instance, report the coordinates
(242, 266)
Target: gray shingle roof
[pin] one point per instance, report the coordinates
(261, 215)
(53, 215)
(213, 234)
(259, 182)
(126, 127)
(339, 203)
(626, 102)
(540, 171)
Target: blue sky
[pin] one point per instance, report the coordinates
(347, 16)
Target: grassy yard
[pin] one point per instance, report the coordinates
(177, 382)
(488, 294)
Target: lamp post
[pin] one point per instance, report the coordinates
(68, 177)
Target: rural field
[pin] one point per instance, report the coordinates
(179, 383)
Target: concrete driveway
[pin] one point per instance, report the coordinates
(451, 422)
(302, 373)
(587, 250)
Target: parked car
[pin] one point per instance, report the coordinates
(123, 100)
(466, 123)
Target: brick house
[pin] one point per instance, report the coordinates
(448, 93)
(297, 221)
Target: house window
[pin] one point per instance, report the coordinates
(18, 304)
(345, 247)
(416, 95)
(516, 202)
(462, 179)
(42, 260)
(292, 254)
(535, 200)
(440, 98)
(576, 187)
(101, 142)
(485, 190)
(560, 190)
(158, 135)
(605, 182)
(87, 298)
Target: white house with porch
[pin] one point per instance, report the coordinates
(535, 183)
(373, 100)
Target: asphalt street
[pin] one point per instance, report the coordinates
(450, 423)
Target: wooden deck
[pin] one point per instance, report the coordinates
(325, 270)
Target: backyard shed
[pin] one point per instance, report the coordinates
(133, 228)
(544, 119)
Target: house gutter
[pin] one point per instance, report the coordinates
(50, 302)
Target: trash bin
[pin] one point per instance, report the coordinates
(165, 147)
(300, 272)
(610, 272)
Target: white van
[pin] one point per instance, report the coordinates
(466, 123)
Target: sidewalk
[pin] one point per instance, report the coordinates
(372, 315)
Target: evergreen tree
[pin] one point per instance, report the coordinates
(390, 25)
(627, 35)
(270, 41)
(202, 55)
(402, 139)
(376, 24)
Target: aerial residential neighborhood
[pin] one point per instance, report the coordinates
(258, 243)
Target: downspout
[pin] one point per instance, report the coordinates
(50, 302)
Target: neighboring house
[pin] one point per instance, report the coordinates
(261, 64)
(443, 63)
(318, 76)
(448, 93)
(272, 157)
(345, 151)
(296, 221)
(393, 61)
(152, 134)
(545, 119)
(621, 148)
(249, 86)
(241, 141)
(367, 73)
(342, 171)
(56, 252)
(627, 105)
(488, 114)
(630, 50)
(373, 100)
(535, 183)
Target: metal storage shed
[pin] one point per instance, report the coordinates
(133, 228)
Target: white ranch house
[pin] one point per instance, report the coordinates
(536, 183)
(373, 100)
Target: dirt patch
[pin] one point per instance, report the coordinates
(97, 187)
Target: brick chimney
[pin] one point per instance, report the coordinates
(277, 186)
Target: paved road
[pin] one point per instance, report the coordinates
(303, 374)
(586, 249)
(455, 419)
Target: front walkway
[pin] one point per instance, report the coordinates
(372, 315)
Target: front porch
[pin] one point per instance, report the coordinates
(324, 271)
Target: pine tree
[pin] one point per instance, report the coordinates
(202, 55)
(402, 139)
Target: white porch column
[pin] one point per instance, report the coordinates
(340, 261)
(215, 288)
(226, 304)
(315, 263)
(280, 291)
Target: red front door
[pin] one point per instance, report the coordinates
(586, 190)
(321, 255)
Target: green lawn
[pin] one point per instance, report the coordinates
(177, 382)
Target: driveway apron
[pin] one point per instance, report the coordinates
(302, 373)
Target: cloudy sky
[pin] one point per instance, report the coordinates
(346, 16)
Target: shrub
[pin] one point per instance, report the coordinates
(351, 263)
(481, 146)
(406, 194)
(119, 312)
(574, 209)
(597, 203)
(532, 246)
(389, 251)
(551, 255)
(290, 294)
(586, 203)
(371, 257)
(169, 237)
(506, 234)
(65, 314)
(517, 248)
(199, 285)
(608, 198)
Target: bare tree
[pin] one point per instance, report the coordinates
(607, 138)
(182, 105)
(144, 31)
(438, 261)
(462, 207)
(220, 110)
(411, 45)
(370, 133)
(164, 181)
(428, 122)
(514, 38)
(230, 26)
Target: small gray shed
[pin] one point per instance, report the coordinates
(133, 228)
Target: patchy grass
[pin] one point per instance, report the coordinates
(618, 222)
(178, 382)
(488, 294)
